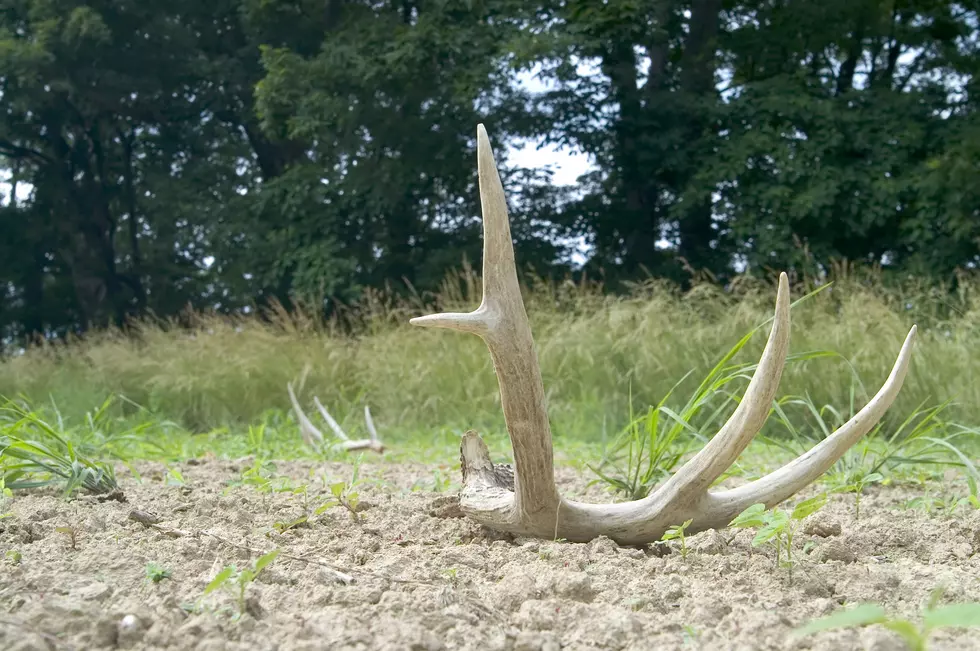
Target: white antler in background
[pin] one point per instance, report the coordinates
(314, 437)
(533, 506)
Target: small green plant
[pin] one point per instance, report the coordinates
(778, 527)
(856, 483)
(452, 575)
(13, 556)
(946, 505)
(344, 495)
(441, 483)
(691, 635)
(283, 527)
(965, 615)
(71, 535)
(236, 581)
(34, 453)
(676, 532)
(156, 573)
(174, 477)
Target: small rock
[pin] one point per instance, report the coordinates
(710, 542)
(130, 630)
(834, 550)
(674, 591)
(817, 587)
(822, 528)
(576, 586)
(93, 592)
(144, 517)
(538, 614)
(513, 589)
(603, 545)
(962, 551)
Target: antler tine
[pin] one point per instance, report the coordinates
(370, 424)
(695, 476)
(502, 323)
(311, 435)
(334, 425)
(781, 484)
(501, 291)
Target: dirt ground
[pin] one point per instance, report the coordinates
(425, 582)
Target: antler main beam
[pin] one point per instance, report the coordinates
(533, 506)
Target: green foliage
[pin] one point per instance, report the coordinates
(237, 581)
(642, 459)
(856, 485)
(925, 438)
(965, 615)
(156, 573)
(35, 453)
(343, 494)
(777, 527)
(283, 152)
(195, 390)
(676, 532)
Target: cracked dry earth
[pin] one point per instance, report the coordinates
(423, 580)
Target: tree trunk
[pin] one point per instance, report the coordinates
(697, 78)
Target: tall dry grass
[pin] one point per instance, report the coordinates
(594, 349)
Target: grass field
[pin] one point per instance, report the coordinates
(595, 351)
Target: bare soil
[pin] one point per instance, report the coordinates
(425, 581)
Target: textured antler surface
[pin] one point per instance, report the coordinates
(530, 503)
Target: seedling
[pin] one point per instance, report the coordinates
(13, 556)
(344, 495)
(778, 527)
(677, 533)
(236, 581)
(856, 484)
(946, 505)
(71, 533)
(174, 477)
(452, 575)
(691, 635)
(916, 637)
(156, 573)
(441, 483)
(5, 494)
(283, 527)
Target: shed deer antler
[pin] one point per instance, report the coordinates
(314, 436)
(532, 506)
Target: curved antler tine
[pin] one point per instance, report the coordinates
(499, 268)
(309, 431)
(706, 466)
(797, 474)
(334, 425)
(372, 432)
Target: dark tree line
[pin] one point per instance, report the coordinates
(225, 153)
